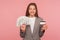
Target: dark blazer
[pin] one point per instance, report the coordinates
(37, 33)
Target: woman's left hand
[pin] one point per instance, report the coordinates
(44, 27)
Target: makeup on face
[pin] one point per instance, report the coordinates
(32, 10)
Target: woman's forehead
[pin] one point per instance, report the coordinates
(32, 6)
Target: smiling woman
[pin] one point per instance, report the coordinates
(10, 10)
(33, 31)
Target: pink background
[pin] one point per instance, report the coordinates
(10, 10)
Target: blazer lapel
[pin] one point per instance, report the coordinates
(35, 25)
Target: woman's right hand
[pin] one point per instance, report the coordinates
(23, 27)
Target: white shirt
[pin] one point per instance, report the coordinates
(32, 22)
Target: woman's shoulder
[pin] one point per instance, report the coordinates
(40, 18)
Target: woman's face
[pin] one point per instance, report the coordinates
(32, 10)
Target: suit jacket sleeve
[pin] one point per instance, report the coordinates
(41, 33)
(22, 34)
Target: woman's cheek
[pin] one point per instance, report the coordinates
(34, 11)
(29, 11)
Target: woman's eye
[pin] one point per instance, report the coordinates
(34, 9)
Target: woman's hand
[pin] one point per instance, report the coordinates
(44, 27)
(23, 27)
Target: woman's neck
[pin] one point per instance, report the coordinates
(31, 16)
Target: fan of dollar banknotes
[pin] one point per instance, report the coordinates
(24, 20)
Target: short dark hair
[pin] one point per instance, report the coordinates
(27, 11)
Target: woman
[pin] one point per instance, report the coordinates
(34, 30)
